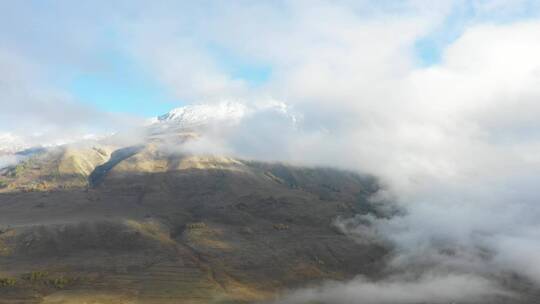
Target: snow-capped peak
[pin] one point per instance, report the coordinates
(225, 113)
(200, 114)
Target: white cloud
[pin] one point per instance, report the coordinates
(37, 113)
(456, 142)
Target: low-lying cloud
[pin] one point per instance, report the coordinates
(450, 288)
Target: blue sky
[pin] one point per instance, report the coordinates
(122, 85)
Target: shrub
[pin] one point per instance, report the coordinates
(281, 226)
(42, 277)
(198, 225)
(19, 169)
(7, 282)
(35, 276)
(60, 282)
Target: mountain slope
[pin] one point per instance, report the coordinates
(54, 168)
(161, 227)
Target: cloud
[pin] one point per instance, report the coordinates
(184, 67)
(456, 142)
(38, 113)
(458, 150)
(238, 128)
(9, 160)
(427, 289)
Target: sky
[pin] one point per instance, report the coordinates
(438, 99)
(99, 54)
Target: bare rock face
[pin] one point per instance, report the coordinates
(141, 225)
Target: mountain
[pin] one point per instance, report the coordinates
(142, 225)
(224, 114)
(195, 115)
(13, 145)
(109, 222)
(143, 221)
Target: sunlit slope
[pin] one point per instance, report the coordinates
(55, 168)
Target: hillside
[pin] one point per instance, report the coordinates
(104, 224)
